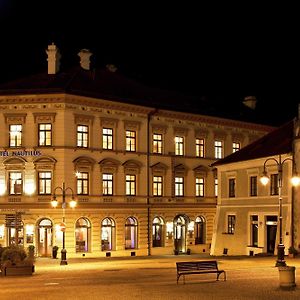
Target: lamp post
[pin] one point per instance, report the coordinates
(72, 204)
(295, 181)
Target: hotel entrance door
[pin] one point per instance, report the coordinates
(45, 238)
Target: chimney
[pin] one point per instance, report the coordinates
(53, 59)
(85, 55)
(250, 101)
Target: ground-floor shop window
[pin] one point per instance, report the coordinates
(107, 234)
(82, 234)
(131, 233)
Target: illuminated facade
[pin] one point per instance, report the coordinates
(140, 175)
(247, 218)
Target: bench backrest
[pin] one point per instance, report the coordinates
(197, 265)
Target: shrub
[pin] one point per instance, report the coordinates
(13, 255)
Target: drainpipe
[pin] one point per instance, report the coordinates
(149, 115)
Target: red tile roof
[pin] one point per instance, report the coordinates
(278, 141)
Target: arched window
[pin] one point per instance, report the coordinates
(107, 234)
(83, 235)
(157, 232)
(200, 230)
(131, 233)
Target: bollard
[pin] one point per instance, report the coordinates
(287, 276)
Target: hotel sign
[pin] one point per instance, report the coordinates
(20, 153)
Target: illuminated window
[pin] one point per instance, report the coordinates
(82, 136)
(218, 149)
(179, 187)
(107, 184)
(108, 228)
(130, 140)
(230, 224)
(15, 183)
(157, 232)
(157, 186)
(236, 147)
(200, 147)
(15, 135)
(216, 187)
(45, 183)
(179, 144)
(157, 143)
(82, 183)
(45, 134)
(131, 233)
(83, 235)
(130, 185)
(200, 187)
(107, 138)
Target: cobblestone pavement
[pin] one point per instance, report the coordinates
(149, 278)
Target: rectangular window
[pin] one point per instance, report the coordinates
(82, 136)
(157, 186)
(231, 187)
(218, 149)
(179, 144)
(82, 183)
(254, 231)
(157, 143)
(199, 187)
(236, 147)
(107, 184)
(200, 147)
(130, 140)
(253, 186)
(45, 134)
(230, 224)
(107, 138)
(179, 187)
(15, 183)
(15, 135)
(274, 184)
(216, 187)
(45, 183)
(130, 185)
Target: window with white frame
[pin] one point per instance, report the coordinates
(107, 138)
(157, 143)
(107, 184)
(45, 134)
(230, 224)
(199, 147)
(130, 185)
(179, 186)
(236, 147)
(179, 145)
(130, 140)
(45, 183)
(254, 230)
(15, 183)
(216, 187)
(274, 184)
(82, 136)
(157, 186)
(200, 187)
(82, 183)
(218, 149)
(15, 135)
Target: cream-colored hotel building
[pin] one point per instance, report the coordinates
(140, 174)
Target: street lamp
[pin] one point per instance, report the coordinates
(295, 180)
(72, 204)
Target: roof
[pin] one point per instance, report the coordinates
(278, 141)
(105, 84)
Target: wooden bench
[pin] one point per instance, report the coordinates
(198, 267)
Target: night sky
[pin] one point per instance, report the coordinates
(216, 53)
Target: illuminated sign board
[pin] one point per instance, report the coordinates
(20, 153)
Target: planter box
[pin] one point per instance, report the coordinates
(17, 270)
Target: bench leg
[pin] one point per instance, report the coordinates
(220, 274)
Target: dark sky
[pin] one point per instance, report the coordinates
(223, 53)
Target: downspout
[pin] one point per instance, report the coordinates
(149, 115)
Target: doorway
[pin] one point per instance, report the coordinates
(45, 238)
(271, 223)
(180, 228)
